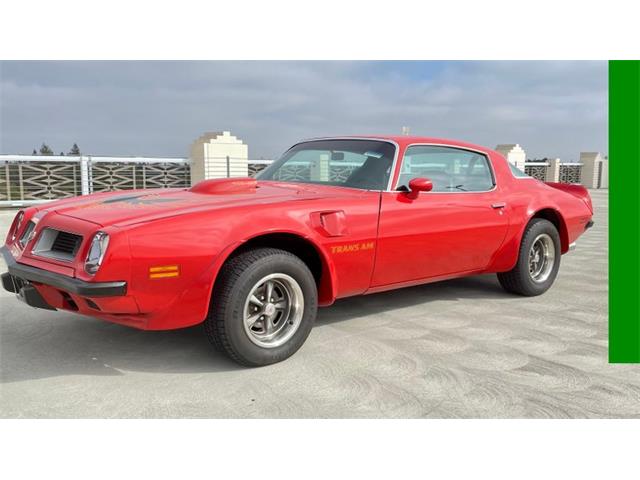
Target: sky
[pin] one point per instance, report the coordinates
(153, 108)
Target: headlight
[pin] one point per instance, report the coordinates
(96, 252)
(17, 224)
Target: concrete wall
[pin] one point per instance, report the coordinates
(591, 166)
(553, 170)
(604, 181)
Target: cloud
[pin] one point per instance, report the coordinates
(159, 108)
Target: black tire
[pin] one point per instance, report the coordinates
(224, 325)
(519, 280)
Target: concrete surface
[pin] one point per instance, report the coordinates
(461, 348)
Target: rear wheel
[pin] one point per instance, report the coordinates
(538, 260)
(263, 307)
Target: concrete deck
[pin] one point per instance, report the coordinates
(462, 348)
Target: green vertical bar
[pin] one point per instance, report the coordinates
(624, 212)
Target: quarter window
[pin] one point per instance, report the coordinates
(450, 169)
(517, 172)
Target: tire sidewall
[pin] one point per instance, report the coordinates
(234, 321)
(537, 227)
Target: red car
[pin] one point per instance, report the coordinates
(254, 258)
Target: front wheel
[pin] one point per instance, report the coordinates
(538, 260)
(263, 307)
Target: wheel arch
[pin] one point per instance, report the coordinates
(556, 218)
(304, 248)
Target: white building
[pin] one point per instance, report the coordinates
(514, 153)
(218, 155)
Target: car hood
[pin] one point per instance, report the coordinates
(138, 206)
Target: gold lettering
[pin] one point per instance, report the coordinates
(352, 247)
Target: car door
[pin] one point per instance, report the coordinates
(457, 227)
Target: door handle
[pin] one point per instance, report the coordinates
(498, 205)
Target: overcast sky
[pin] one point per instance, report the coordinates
(553, 109)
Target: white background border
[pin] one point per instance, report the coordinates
(327, 29)
(330, 29)
(313, 449)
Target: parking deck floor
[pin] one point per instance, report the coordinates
(461, 348)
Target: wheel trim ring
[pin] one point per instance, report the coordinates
(541, 259)
(290, 316)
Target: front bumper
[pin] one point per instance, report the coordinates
(19, 277)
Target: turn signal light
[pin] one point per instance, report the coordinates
(164, 271)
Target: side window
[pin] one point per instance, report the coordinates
(450, 169)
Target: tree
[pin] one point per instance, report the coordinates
(75, 150)
(62, 154)
(45, 150)
(35, 152)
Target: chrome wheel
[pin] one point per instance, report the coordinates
(542, 256)
(273, 310)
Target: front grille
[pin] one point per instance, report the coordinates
(66, 243)
(57, 244)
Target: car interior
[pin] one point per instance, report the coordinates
(446, 176)
(373, 174)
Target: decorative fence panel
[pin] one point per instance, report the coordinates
(256, 166)
(109, 176)
(31, 179)
(41, 180)
(340, 172)
(570, 173)
(536, 170)
(301, 171)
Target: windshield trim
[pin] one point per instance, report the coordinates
(373, 139)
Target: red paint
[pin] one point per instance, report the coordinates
(417, 185)
(367, 241)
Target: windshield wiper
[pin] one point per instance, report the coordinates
(459, 187)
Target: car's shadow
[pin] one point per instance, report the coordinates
(36, 344)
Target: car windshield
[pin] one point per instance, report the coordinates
(364, 164)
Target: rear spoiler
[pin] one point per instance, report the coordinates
(574, 189)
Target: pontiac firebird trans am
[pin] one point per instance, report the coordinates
(253, 258)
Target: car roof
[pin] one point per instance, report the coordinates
(405, 140)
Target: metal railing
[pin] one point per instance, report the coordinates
(32, 179)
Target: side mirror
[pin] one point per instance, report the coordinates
(417, 185)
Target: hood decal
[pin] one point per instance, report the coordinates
(144, 199)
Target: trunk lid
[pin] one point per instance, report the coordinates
(574, 189)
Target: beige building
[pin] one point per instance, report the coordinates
(218, 155)
(592, 170)
(514, 153)
(595, 171)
